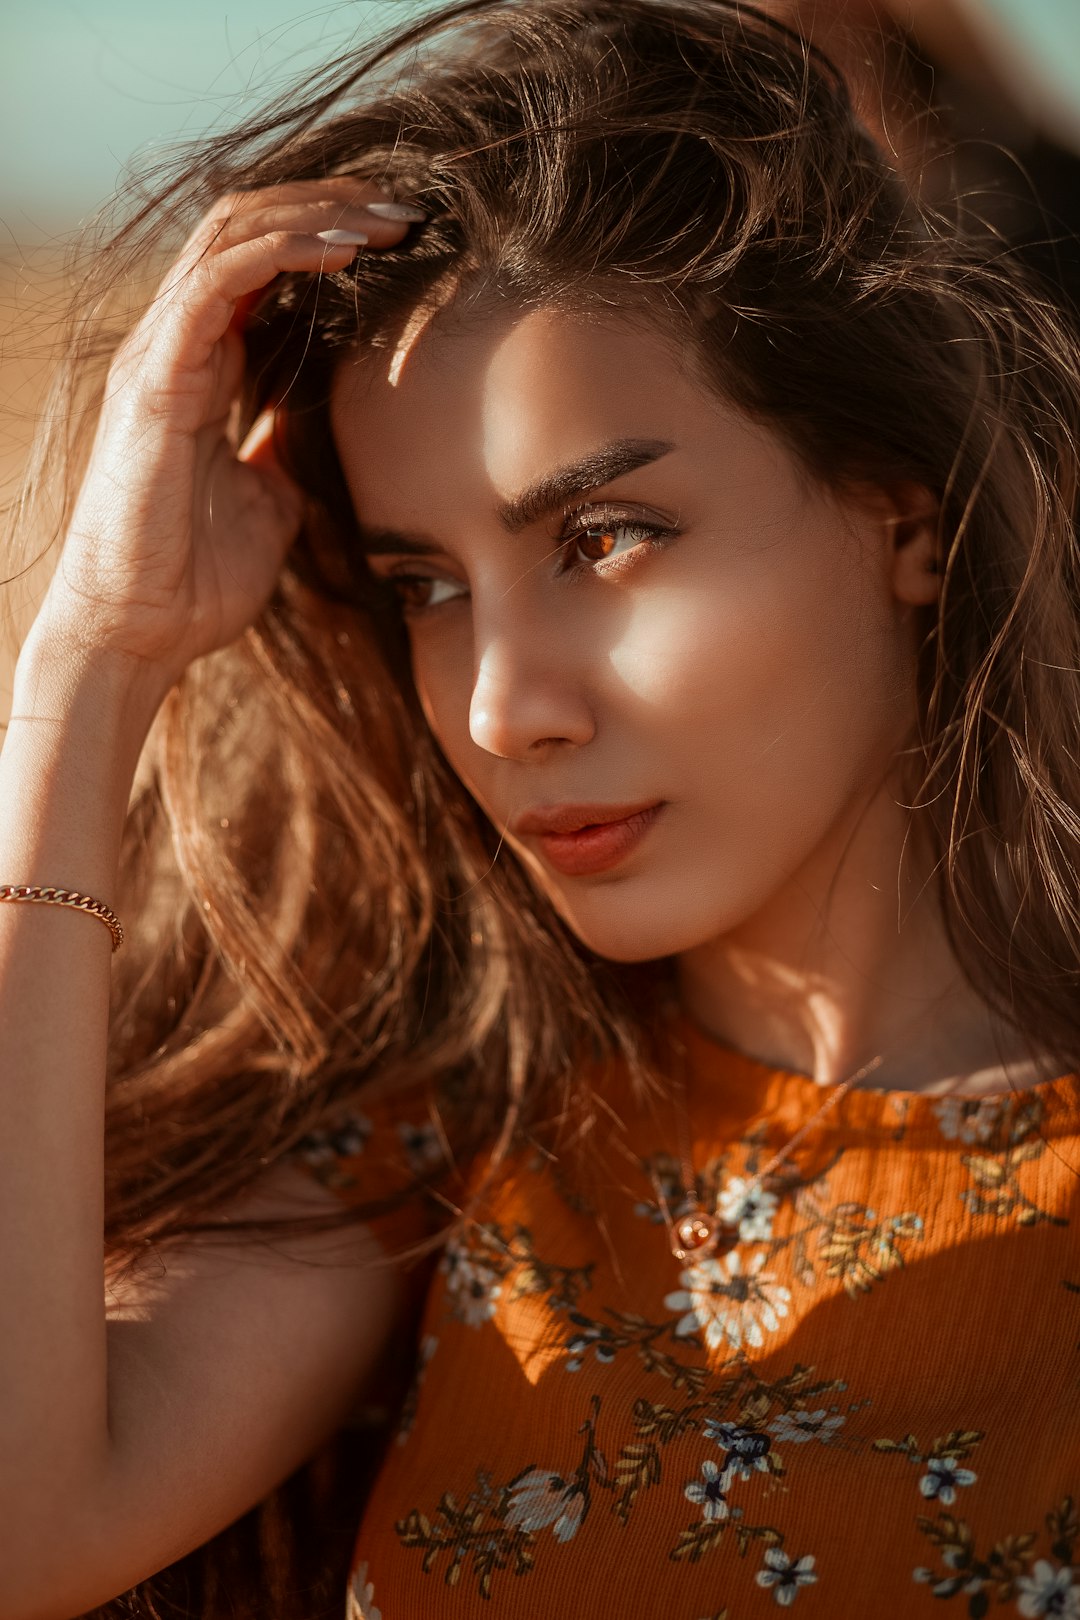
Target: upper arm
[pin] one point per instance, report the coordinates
(228, 1368)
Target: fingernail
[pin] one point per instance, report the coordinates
(395, 211)
(341, 238)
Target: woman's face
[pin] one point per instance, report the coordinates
(620, 592)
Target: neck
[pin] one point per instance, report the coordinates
(851, 961)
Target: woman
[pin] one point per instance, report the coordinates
(602, 660)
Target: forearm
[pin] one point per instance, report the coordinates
(66, 770)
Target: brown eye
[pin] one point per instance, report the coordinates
(606, 538)
(412, 591)
(615, 539)
(598, 543)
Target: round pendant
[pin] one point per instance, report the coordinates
(696, 1236)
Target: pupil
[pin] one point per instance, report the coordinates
(603, 538)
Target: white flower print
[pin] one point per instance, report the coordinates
(747, 1450)
(726, 1302)
(944, 1476)
(361, 1605)
(472, 1288)
(711, 1497)
(967, 1118)
(539, 1498)
(797, 1427)
(423, 1145)
(330, 1142)
(1049, 1591)
(785, 1574)
(753, 1212)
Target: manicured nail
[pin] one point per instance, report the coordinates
(395, 211)
(341, 238)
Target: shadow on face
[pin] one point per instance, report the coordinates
(619, 590)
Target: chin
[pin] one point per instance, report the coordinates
(627, 926)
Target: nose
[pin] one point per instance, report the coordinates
(528, 692)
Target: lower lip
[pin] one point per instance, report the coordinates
(596, 849)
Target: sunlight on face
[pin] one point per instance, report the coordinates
(696, 623)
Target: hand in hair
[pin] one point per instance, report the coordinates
(178, 534)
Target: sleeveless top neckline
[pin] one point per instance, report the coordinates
(724, 1083)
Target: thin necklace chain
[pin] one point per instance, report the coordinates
(698, 1233)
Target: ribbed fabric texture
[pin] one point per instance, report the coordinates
(869, 1406)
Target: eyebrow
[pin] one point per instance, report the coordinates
(601, 466)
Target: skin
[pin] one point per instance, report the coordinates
(756, 671)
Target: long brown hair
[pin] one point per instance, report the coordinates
(689, 163)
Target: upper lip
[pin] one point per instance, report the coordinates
(568, 818)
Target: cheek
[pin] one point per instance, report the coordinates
(746, 649)
(442, 675)
(767, 678)
(764, 679)
(429, 690)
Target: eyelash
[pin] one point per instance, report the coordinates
(655, 538)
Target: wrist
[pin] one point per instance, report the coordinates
(58, 674)
(69, 760)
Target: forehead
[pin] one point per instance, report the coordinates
(477, 407)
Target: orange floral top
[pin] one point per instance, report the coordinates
(869, 1407)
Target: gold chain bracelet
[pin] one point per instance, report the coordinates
(67, 897)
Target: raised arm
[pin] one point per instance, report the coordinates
(121, 1450)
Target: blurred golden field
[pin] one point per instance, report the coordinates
(32, 287)
(39, 291)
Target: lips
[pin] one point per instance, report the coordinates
(575, 842)
(570, 818)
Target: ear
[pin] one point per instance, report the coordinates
(908, 516)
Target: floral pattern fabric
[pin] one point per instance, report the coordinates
(869, 1406)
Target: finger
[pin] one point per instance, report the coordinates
(348, 191)
(320, 214)
(311, 212)
(195, 307)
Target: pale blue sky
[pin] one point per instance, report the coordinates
(84, 84)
